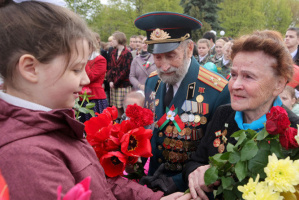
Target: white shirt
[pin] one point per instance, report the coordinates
(22, 103)
(201, 58)
(293, 54)
(177, 85)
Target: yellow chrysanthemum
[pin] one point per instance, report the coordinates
(282, 175)
(264, 192)
(249, 188)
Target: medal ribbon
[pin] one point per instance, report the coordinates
(146, 64)
(176, 121)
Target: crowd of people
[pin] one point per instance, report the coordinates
(48, 56)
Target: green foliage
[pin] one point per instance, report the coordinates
(238, 19)
(79, 108)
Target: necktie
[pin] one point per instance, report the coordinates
(168, 96)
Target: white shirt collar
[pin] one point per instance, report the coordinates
(177, 85)
(201, 58)
(22, 103)
(293, 54)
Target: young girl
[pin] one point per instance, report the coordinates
(43, 52)
(203, 46)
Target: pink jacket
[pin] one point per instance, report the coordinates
(41, 150)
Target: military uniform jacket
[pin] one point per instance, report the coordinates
(204, 92)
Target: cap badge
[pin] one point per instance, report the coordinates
(159, 34)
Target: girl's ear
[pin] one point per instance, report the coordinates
(27, 67)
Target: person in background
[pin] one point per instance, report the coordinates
(132, 45)
(203, 46)
(178, 85)
(118, 71)
(133, 97)
(225, 64)
(261, 68)
(292, 43)
(288, 97)
(142, 66)
(96, 70)
(42, 145)
(212, 38)
(296, 105)
(1, 83)
(218, 49)
(139, 45)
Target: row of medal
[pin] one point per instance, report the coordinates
(221, 139)
(179, 145)
(192, 109)
(187, 133)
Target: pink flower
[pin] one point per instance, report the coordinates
(78, 192)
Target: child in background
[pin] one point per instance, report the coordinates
(42, 61)
(296, 105)
(134, 97)
(288, 97)
(203, 46)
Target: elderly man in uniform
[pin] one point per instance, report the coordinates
(182, 94)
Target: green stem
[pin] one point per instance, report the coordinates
(84, 98)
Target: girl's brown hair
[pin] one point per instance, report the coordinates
(41, 29)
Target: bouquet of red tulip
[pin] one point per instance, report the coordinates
(270, 157)
(117, 145)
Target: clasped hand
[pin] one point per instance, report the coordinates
(197, 184)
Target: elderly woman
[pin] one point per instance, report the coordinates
(261, 68)
(141, 67)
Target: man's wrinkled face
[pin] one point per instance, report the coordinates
(172, 66)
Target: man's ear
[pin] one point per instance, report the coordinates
(190, 49)
(27, 67)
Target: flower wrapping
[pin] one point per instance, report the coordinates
(117, 145)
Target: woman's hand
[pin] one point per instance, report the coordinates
(141, 87)
(197, 184)
(111, 84)
(177, 196)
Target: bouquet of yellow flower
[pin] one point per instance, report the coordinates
(269, 157)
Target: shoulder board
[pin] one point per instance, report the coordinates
(154, 73)
(215, 81)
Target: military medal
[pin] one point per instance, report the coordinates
(221, 148)
(199, 98)
(172, 143)
(168, 130)
(153, 95)
(160, 134)
(175, 132)
(203, 120)
(196, 118)
(156, 102)
(183, 132)
(216, 142)
(165, 154)
(179, 144)
(184, 117)
(191, 117)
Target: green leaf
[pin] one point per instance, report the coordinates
(234, 157)
(241, 139)
(230, 147)
(83, 110)
(249, 150)
(211, 175)
(219, 190)
(225, 156)
(90, 105)
(237, 133)
(228, 194)
(276, 148)
(216, 160)
(257, 164)
(262, 134)
(294, 154)
(241, 170)
(227, 183)
(250, 133)
(263, 145)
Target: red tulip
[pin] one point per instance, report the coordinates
(114, 163)
(137, 143)
(4, 193)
